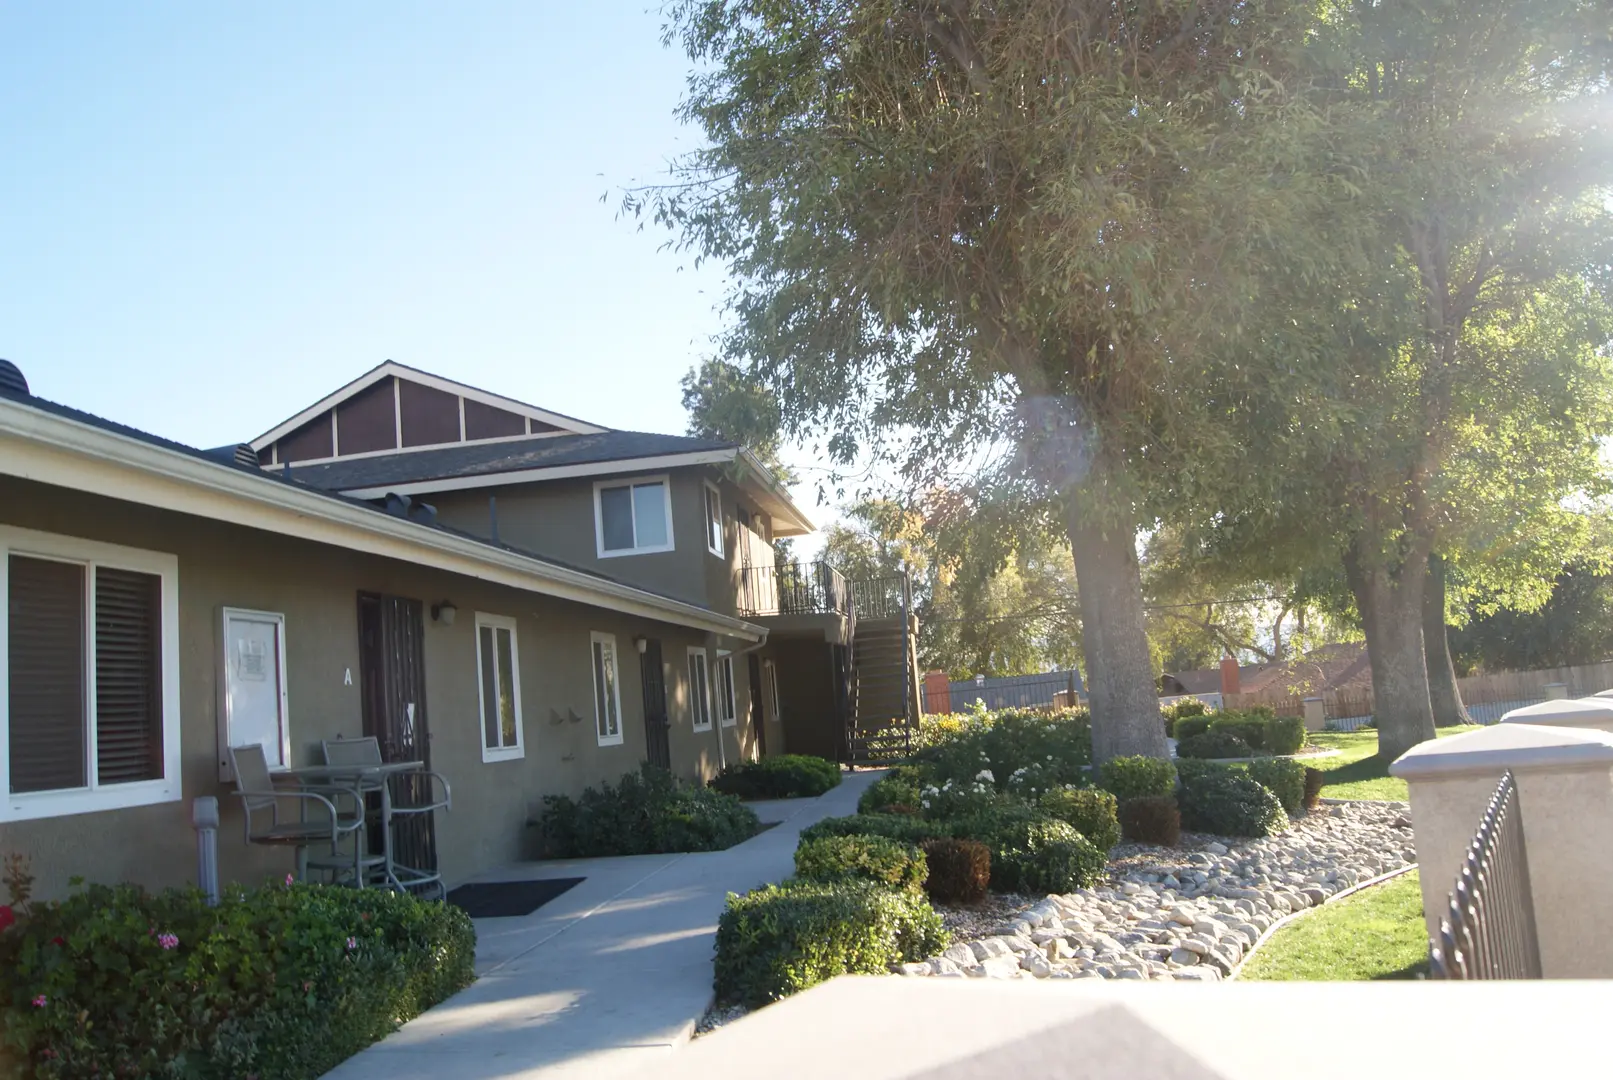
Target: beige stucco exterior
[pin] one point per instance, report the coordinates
(315, 587)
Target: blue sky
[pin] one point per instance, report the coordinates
(213, 214)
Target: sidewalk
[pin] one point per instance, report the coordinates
(603, 979)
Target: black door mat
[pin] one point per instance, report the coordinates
(509, 899)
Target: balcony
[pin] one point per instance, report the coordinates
(816, 588)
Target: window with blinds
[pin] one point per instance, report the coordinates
(84, 678)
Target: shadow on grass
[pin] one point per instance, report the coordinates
(1370, 768)
(1419, 970)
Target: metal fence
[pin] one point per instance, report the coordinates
(1017, 691)
(879, 597)
(793, 589)
(1488, 932)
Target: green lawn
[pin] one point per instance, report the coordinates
(1356, 770)
(1375, 934)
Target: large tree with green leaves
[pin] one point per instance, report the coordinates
(954, 224)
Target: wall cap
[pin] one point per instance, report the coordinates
(1565, 712)
(1495, 749)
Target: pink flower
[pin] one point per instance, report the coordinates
(40, 1002)
(168, 941)
(352, 943)
(7, 916)
(289, 880)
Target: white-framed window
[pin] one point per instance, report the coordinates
(254, 705)
(498, 682)
(770, 676)
(633, 517)
(89, 665)
(607, 689)
(727, 714)
(713, 519)
(699, 688)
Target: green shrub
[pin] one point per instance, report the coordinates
(868, 858)
(1020, 750)
(646, 813)
(904, 827)
(787, 776)
(1229, 802)
(1285, 734)
(1213, 744)
(1179, 710)
(960, 870)
(889, 793)
(1189, 726)
(1136, 776)
(778, 940)
(1240, 725)
(278, 982)
(1090, 810)
(1315, 779)
(1049, 856)
(1151, 819)
(1284, 778)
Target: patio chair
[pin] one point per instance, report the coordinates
(367, 751)
(262, 801)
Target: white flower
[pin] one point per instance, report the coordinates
(985, 774)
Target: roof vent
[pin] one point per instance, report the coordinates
(11, 380)
(423, 514)
(246, 457)
(398, 505)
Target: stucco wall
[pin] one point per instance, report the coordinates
(316, 588)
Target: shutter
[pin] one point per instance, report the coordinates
(128, 676)
(46, 655)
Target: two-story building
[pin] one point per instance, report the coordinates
(529, 602)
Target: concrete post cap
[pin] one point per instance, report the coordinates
(1602, 694)
(1495, 749)
(1592, 712)
(204, 812)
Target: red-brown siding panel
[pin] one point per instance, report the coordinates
(368, 420)
(312, 440)
(430, 416)
(486, 422)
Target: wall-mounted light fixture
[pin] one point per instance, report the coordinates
(642, 644)
(444, 612)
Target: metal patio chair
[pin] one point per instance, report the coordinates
(366, 751)
(266, 824)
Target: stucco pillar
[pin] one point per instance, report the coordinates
(1315, 715)
(1593, 713)
(1565, 800)
(1556, 691)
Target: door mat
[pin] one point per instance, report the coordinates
(509, 899)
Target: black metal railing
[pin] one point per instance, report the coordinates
(1488, 932)
(793, 589)
(879, 597)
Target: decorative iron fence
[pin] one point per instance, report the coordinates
(793, 589)
(879, 597)
(1489, 930)
(1044, 691)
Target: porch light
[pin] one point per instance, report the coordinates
(444, 613)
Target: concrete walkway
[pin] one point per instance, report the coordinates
(603, 980)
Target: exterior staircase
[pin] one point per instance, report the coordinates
(884, 690)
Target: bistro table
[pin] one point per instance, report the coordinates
(361, 779)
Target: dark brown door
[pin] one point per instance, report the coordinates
(757, 721)
(392, 676)
(657, 725)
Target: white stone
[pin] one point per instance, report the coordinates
(1184, 957)
(961, 955)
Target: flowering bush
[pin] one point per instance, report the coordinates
(277, 982)
(1024, 751)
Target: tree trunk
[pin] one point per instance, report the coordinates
(1120, 669)
(1391, 606)
(1442, 689)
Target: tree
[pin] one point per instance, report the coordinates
(1574, 626)
(954, 225)
(723, 403)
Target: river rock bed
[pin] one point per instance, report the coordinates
(1185, 913)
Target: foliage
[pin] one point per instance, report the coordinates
(951, 799)
(1019, 750)
(1574, 626)
(723, 402)
(1179, 710)
(1377, 933)
(1057, 864)
(959, 870)
(782, 939)
(276, 982)
(1151, 819)
(1284, 735)
(1136, 777)
(1250, 729)
(1090, 811)
(907, 828)
(1189, 726)
(646, 813)
(784, 776)
(1031, 850)
(893, 792)
(1227, 801)
(1213, 744)
(868, 858)
(1284, 778)
(1314, 780)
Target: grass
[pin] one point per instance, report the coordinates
(1377, 933)
(1356, 772)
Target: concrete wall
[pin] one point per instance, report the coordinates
(316, 588)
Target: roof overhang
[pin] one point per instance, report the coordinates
(46, 448)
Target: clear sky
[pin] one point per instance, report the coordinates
(213, 214)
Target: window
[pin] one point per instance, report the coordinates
(726, 713)
(699, 689)
(713, 520)
(90, 668)
(607, 690)
(498, 666)
(633, 517)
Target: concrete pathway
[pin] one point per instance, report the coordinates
(604, 979)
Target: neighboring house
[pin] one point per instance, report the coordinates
(569, 609)
(1338, 667)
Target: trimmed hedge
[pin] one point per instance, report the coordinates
(862, 858)
(1032, 851)
(786, 776)
(782, 939)
(907, 828)
(1240, 725)
(960, 870)
(1151, 819)
(898, 794)
(1285, 734)
(647, 813)
(1228, 801)
(1091, 811)
(1189, 726)
(1284, 777)
(1136, 776)
(1214, 744)
(279, 982)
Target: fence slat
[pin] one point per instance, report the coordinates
(1488, 930)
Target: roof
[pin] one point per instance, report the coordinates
(58, 444)
(1326, 667)
(373, 475)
